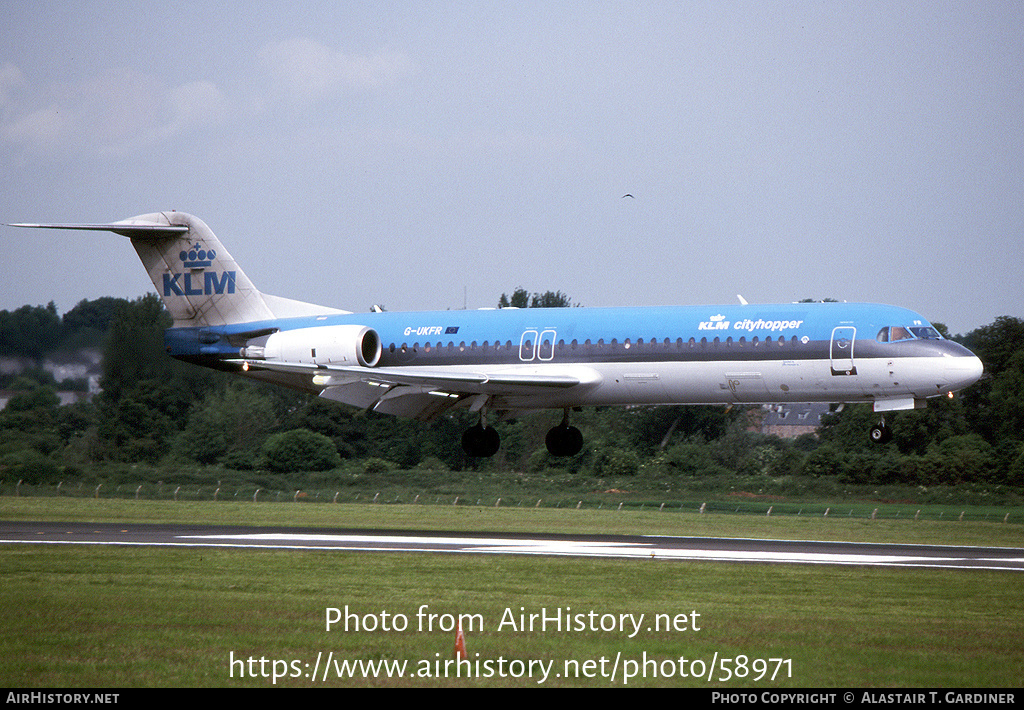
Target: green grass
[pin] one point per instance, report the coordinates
(611, 521)
(752, 494)
(83, 616)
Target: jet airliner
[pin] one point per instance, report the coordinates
(497, 363)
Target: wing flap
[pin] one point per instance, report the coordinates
(414, 403)
(419, 403)
(358, 394)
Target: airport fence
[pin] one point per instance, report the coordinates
(601, 501)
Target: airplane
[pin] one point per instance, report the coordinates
(500, 362)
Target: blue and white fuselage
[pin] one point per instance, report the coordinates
(421, 364)
(830, 352)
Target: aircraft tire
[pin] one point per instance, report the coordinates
(564, 441)
(880, 434)
(481, 442)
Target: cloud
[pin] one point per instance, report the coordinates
(190, 106)
(310, 70)
(115, 113)
(42, 129)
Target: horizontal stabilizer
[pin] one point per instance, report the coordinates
(127, 228)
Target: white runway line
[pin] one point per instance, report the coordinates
(575, 548)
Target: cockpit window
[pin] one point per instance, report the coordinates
(898, 332)
(925, 332)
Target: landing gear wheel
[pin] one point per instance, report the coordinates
(880, 434)
(481, 441)
(564, 440)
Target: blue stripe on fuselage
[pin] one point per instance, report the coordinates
(562, 334)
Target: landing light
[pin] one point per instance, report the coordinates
(950, 395)
(245, 367)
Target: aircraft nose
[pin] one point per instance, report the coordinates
(963, 371)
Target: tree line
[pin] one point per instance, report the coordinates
(155, 410)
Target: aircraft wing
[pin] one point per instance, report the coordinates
(425, 394)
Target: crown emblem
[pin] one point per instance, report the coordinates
(196, 256)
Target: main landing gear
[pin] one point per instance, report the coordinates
(483, 441)
(880, 433)
(480, 440)
(564, 440)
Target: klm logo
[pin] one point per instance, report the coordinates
(208, 283)
(748, 324)
(196, 256)
(716, 323)
(191, 285)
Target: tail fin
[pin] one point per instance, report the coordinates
(199, 282)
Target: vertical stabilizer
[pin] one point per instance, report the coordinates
(195, 276)
(198, 280)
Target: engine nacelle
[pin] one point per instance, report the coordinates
(322, 345)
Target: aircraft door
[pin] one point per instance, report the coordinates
(841, 350)
(534, 345)
(546, 345)
(528, 345)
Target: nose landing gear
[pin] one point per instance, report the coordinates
(880, 433)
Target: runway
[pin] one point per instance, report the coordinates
(607, 546)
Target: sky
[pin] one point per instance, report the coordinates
(433, 155)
